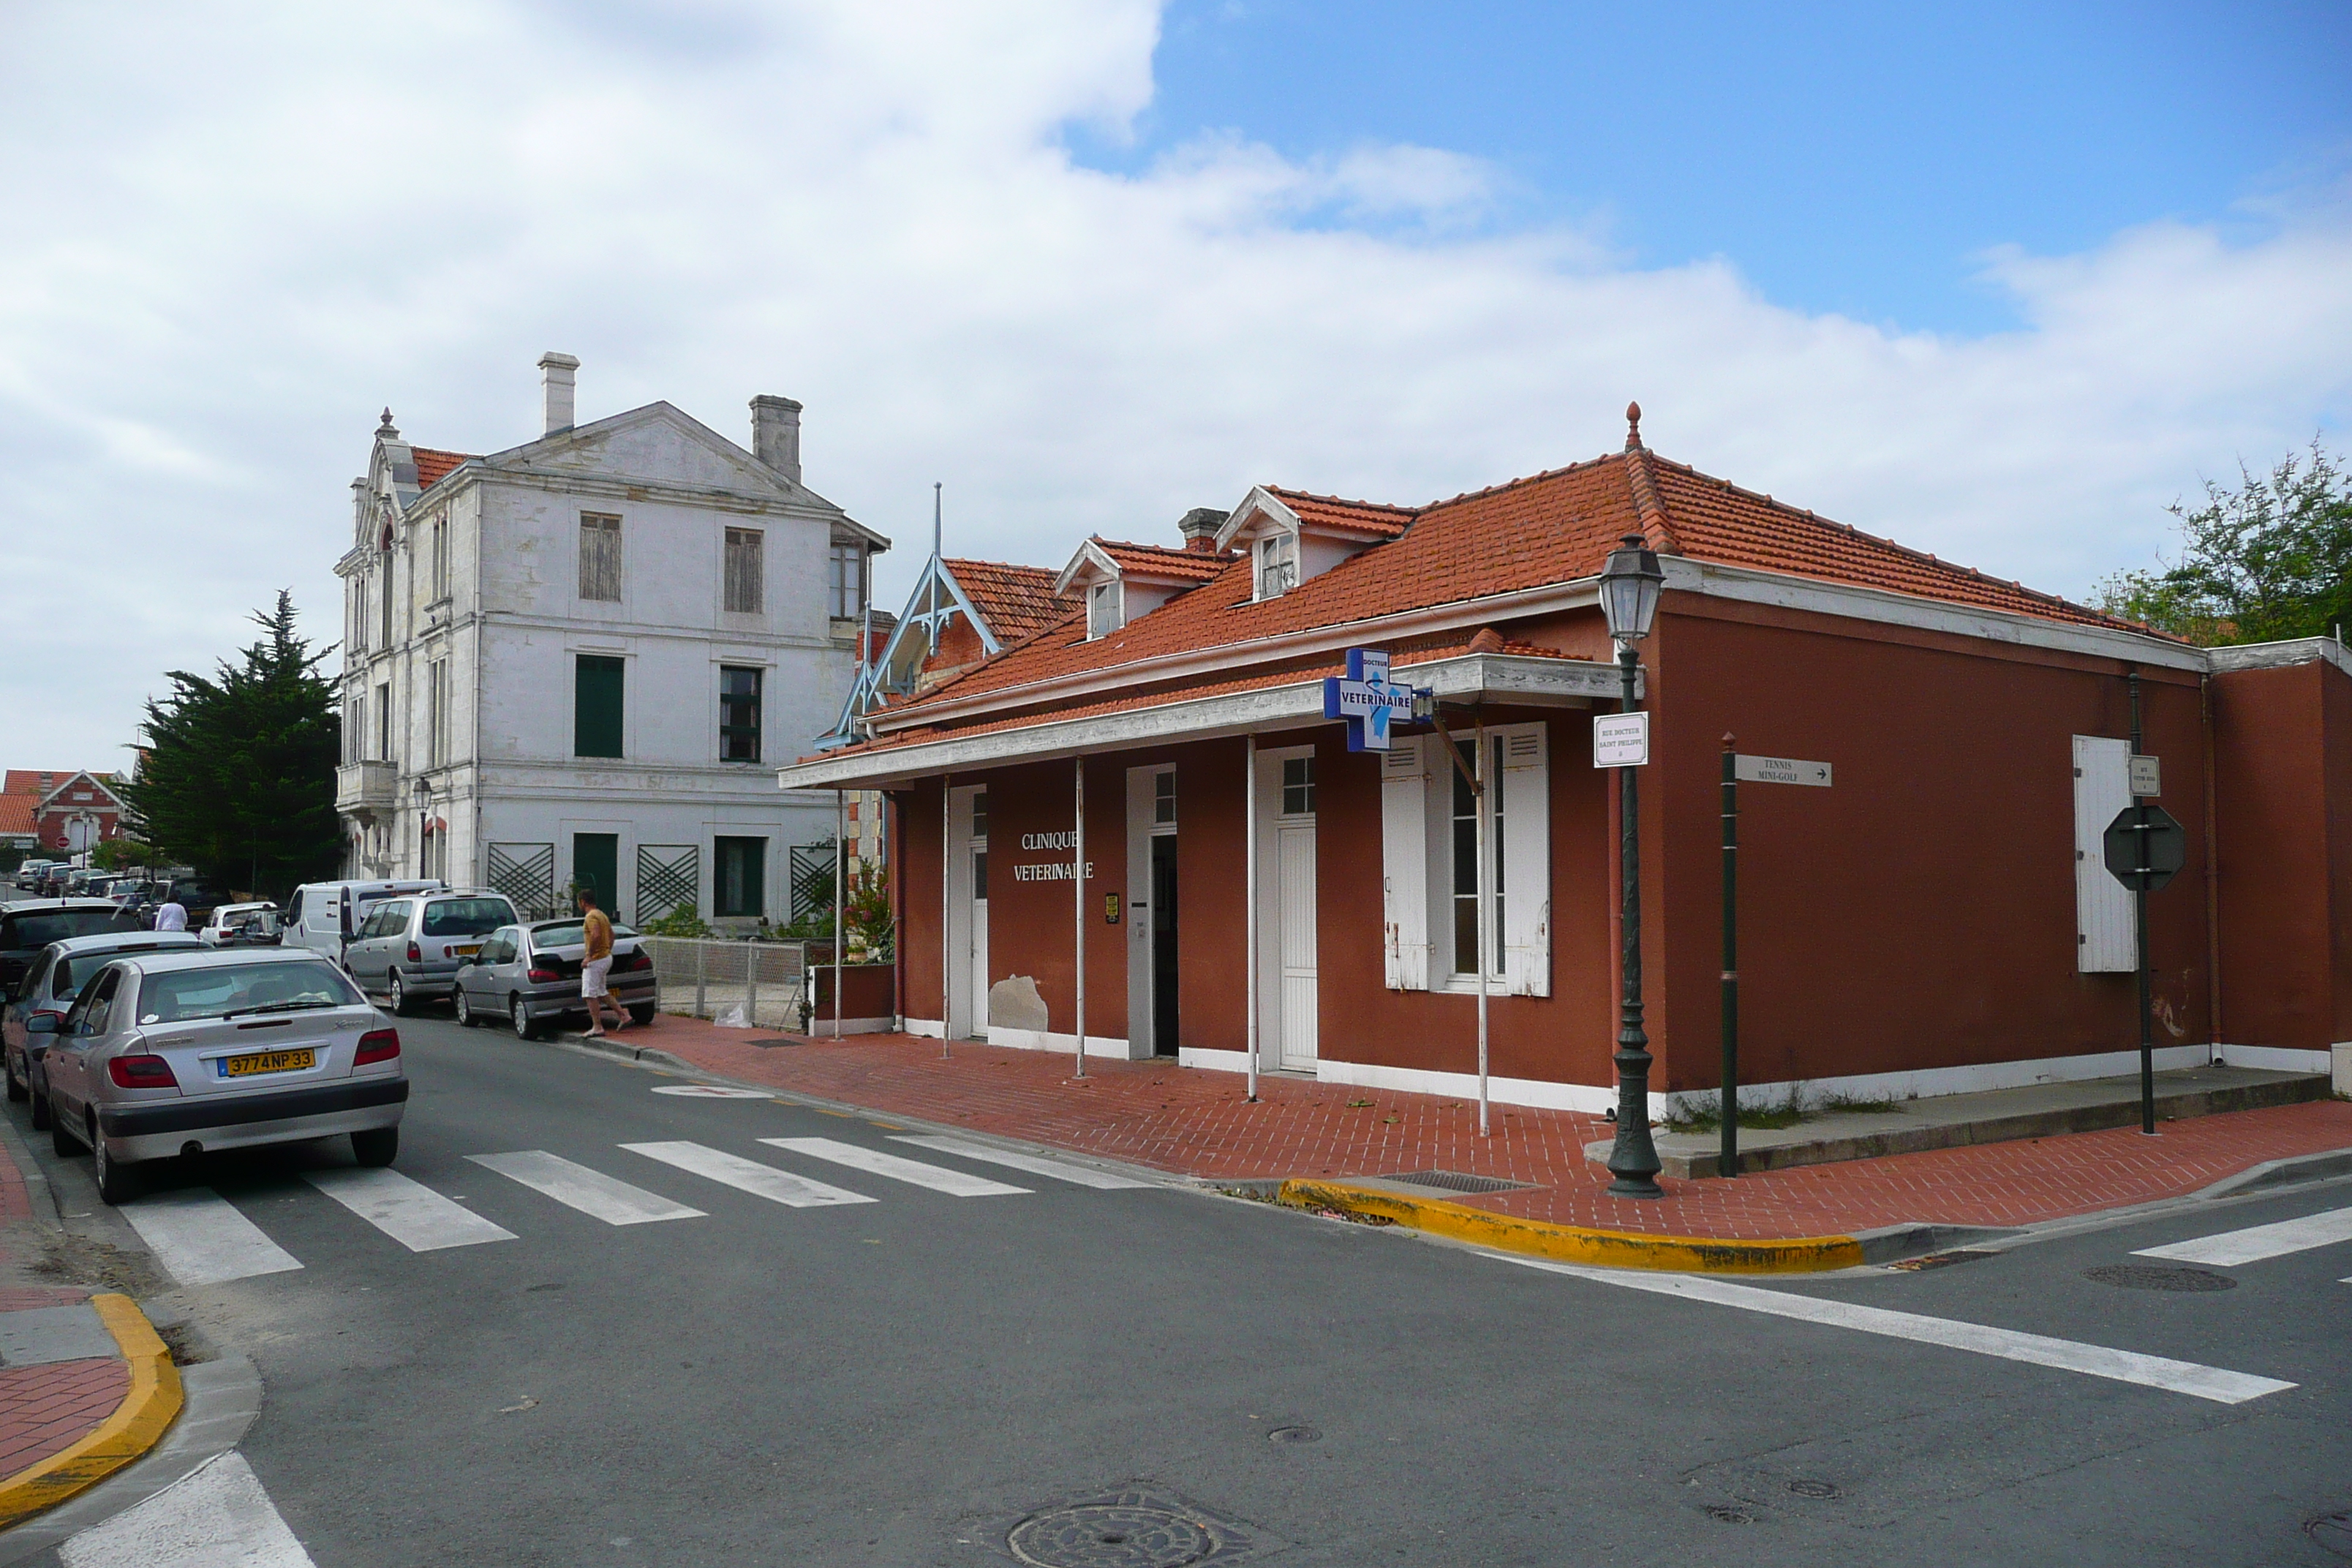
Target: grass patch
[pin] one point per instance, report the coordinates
(1704, 1113)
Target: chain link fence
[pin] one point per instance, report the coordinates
(766, 984)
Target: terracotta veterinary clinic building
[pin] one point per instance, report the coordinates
(1936, 921)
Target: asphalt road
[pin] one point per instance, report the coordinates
(903, 1381)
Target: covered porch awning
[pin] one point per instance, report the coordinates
(1286, 702)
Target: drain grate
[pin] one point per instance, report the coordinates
(1937, 1260)
(2150, 1276)
(1458, 1182)
(1131, 1528)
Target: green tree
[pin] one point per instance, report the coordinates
(121, 854)
(2268, 561)
(238, 779)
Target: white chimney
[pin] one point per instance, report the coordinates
(776, 434)
(556, 384)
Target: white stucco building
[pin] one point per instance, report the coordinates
(580, 659)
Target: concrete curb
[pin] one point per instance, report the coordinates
(2292, 1169)
(138, 1423)
(1575, 1244)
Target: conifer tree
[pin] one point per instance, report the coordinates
(238, 775)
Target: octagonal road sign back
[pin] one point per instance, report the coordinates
(2154, 865)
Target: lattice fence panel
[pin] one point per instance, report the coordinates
(668, 875)
(811, 878)
(525, 873)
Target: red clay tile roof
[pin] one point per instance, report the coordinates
(433, 467)
(1363, 516)
(1017, 601)
(27, 781)
(1552, 527)
(1166, 561)
(17, 813)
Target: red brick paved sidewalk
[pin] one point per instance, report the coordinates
(1199, 1123)
(44, 1409)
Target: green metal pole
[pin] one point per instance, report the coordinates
(1728, 1103)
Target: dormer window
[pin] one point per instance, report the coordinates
(1103, 609)
(1276, 565)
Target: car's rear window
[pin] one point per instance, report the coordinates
(570, 933)
(41, 929)
(182, 994)
(466, 917)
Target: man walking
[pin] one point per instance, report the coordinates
(597, 930)
(172, 914)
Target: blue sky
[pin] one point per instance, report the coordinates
(1855, 159)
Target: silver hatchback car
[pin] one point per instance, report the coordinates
(410, 948)
(179, 1053)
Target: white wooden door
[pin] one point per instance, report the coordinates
(978, 963)
(1295, 1026)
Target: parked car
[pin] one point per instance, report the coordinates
(190, 893)
(28, 925)
(31, 874)
(241, 925)
(408, 949)
(132, 890)
(179, 1053)
(50, 986)
(52, 884)
(324, 916)
(528, 975)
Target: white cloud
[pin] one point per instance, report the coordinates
(232, 238)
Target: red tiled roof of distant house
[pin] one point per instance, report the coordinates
(1553, 527)
(1164, 561)
(31, 780)
(17, 813)
(433, 467)
(1017, 601)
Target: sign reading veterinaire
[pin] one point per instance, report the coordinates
(1364, 698)
(1621, 741)
(1781, 770)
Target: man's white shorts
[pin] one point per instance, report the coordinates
(592, 976)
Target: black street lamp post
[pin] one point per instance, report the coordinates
(1630, 587)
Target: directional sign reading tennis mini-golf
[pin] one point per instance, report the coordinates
(1781, 770)
(2148, 865)
(1366, 699)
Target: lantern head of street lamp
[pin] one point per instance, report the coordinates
(1630, 585)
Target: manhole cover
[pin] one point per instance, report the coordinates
(1294, 1435)
(2334, 1532)
(1815, 1489)
(2152, 1277)
(1458, 1182)
(1111, 1535)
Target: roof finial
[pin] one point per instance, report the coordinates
(387, 420)
(1632, 426)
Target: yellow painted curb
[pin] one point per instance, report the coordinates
(146, 1411)
(1575, 1244)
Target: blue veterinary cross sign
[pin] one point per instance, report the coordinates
(1366, 699)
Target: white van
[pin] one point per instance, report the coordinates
(324, 916)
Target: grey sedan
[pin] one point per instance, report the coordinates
(179, 1052)
(528, 975)
(50, 986)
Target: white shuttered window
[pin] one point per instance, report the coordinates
(599, 558)
(2106, 941)
(1525, 794)
(1404, 866)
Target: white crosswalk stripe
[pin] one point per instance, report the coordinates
(1035, 1165)
(2257, 1243)
(216, 1516)
(201, 1239)
(591, 1192)
(857, 1157)
(747, 1176)
(410, 1213)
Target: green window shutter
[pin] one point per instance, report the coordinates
(741, 880)
(596, 706)
(596, 867)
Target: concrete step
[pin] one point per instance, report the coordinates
(1993, 1116)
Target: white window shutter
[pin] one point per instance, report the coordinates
(1526, 801)
(1404, 867)
(2106, 941)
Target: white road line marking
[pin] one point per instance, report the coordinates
(593, 1193)
(749, 1176)
(1035, 1165)
(711, 1092)
(201, 1238)
(215, 1516)
(2210, 1383)
(2259, 1242)
(857, 1157)
(410, 1213)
